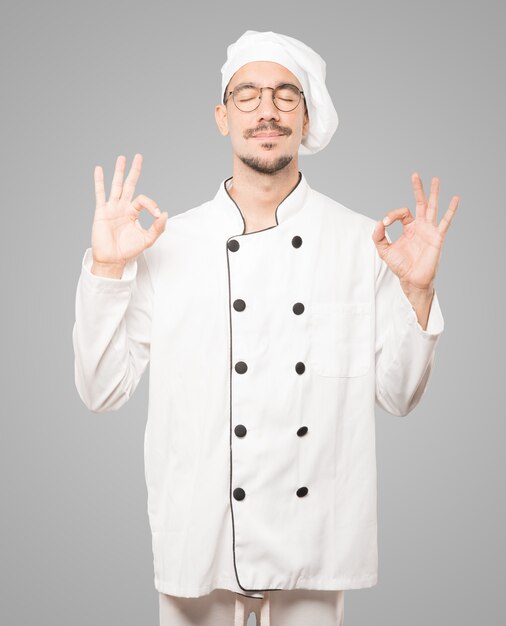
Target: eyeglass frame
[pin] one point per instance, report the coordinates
(260, 98)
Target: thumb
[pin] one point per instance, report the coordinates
(380, 238)
(156, 228)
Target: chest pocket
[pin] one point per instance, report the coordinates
(341, 338)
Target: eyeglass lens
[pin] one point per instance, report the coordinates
(247, 97)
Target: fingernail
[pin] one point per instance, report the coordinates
(157, 212)
(386, 221)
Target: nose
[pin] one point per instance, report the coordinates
(267, 110)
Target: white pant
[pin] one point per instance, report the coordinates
(222, 607)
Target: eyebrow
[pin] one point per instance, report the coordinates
(281, 82)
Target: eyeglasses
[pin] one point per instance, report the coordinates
(247, 98)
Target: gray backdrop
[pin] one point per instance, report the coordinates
(418, 87)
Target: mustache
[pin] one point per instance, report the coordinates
(267, 128)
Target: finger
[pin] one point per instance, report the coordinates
(143, 202)
(99, 186)
(421, 200)
(446, 220)
(156, 229)
(431, 214)
(403, 214)
(132, 178)
(380, 238)
(117, 181)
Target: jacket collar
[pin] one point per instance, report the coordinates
(289, 206)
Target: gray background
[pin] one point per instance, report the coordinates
(418, 87)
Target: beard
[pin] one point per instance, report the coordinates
(264, 166)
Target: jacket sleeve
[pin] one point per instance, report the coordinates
(111, 333)
(405, 352)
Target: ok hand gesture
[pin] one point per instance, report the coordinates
(414, 257)
(117, 235)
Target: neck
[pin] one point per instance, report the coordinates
(258, 195)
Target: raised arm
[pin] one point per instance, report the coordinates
(114, 296)
(408, 316)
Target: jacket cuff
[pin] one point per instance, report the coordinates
(104, 282)
(435, 323)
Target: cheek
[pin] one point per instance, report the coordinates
(235, 130)
(237, 141)
(236, 134)
(297, 128)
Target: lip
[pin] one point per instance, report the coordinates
(267, 135)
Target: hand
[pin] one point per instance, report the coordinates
(414, 257)
(117, 235)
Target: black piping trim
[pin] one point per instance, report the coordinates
(230, 418)
(248, 596)
(231, 368)
(275, 214)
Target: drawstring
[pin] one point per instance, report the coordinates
(265, 619)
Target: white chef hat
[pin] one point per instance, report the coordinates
(306, 64)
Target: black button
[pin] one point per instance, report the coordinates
(302, 431)
(240, 494)
(240, 430)
(240, 367)
(296, 241)
(239, 305)
(301, 491)
(233, 245)
(300, 368)
(298, 308)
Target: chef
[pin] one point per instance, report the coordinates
(274, 319)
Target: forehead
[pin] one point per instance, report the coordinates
(263, 73)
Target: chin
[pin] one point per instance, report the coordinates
(264, 165)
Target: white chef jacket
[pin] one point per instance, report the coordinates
(268, 351)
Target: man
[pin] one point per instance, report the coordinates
(273, 319)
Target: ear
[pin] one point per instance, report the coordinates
(305, 125)
(220, 114)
